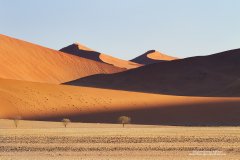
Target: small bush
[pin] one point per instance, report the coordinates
(124, 120)
(16, 120)
(66, 121)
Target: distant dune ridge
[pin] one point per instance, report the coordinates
(213, 75)
(26, 61)
(85, 52)
(152, 56)
(38, 101)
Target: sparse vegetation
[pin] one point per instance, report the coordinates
(124, 120)
(146, 142)
(16, 120)
(66, 121)
(111, 142)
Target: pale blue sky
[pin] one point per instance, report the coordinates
(126, 28)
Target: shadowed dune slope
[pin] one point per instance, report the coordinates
(213, 75)
(38, 101)
(152, 56)
(82, 51)
(25, 61)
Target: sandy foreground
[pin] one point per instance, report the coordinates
(50, 140)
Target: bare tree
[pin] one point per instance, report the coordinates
(66, 121)
(124, 120)
(16, 120)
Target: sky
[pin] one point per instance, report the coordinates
(126, 28)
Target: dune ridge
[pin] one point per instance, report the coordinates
(22, 60)
(152, 56)
(85, 52)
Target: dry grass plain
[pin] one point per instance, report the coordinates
(50, 140)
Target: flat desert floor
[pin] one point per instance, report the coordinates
(51, 141)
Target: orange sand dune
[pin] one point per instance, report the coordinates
(85, 52)
(152, 56)
(53, 102)
(213, 75)
(26, 61)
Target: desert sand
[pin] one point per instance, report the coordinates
(152, 56)
(54, 102)
(85, 52)
(26, 61)
(187, 94)
(50, 140)
(213, 75)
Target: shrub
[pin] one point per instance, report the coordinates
(124, 120)
(66, 121)
(16, 120)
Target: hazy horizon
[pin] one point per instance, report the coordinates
(126, 29)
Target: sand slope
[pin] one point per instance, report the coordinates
(85, 52)
(152, 56)
(214, 75)
(25, 61)
(54, 102)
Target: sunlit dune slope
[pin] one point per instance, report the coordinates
(26, 61)
(213, 75)
(152, 56)
(54, 102)
(85, 52)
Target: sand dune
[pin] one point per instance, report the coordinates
(85, 52)
(25, 61)
(152, 56)
(214, 75)
(53, 102)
